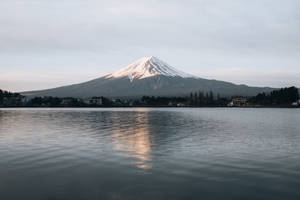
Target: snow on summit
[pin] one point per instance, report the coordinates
(148, 67)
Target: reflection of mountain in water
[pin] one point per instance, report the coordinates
(134, 141)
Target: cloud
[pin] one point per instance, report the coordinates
(263, 33)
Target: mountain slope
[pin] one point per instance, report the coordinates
(148, 76)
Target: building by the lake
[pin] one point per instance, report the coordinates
(238, 102)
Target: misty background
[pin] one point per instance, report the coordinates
(46, 44)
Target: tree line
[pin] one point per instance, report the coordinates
(9, 98)
(281, 97)
(201, 99)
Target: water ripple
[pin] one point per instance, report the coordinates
(145, 153)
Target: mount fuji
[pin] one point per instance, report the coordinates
(148, 67)
(151, 77)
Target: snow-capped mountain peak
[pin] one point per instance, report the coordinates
(147, 67)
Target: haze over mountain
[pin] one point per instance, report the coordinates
(148, 76)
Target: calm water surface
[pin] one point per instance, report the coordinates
(188, 153)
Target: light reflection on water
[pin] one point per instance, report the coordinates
(135, 140)
(149, 154)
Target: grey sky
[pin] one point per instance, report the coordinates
(48, 43)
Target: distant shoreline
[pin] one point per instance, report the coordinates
(291, 107)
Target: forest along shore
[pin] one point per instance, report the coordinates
(284, 97)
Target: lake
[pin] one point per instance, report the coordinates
(149, 153)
